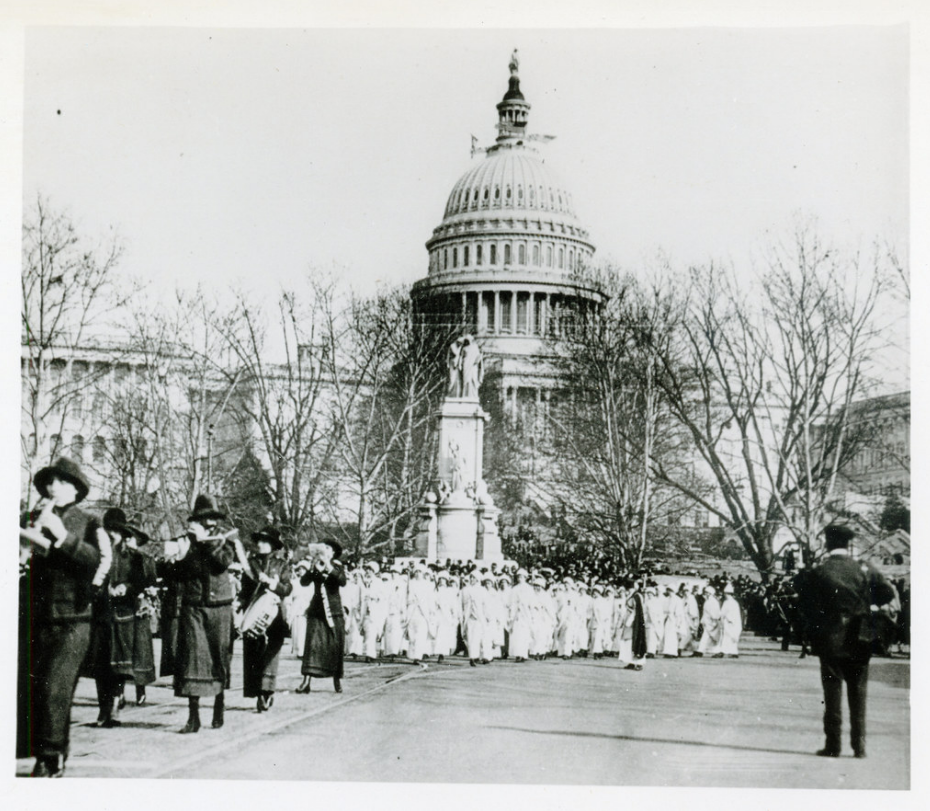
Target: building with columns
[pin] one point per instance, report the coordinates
(508, 261)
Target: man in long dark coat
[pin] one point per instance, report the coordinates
(265, 570)
(55, 613)
(836, 601)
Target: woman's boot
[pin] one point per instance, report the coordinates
(304, 686)
(337, 684)
(193, 716)
(219, 707)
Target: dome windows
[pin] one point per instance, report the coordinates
(536, 254)
(509, 195)
(479, 251)
(520, 195)
(465, 256)
(507, 252)
(493, 257)
(532, 197)
(561, 258)
(521, 254)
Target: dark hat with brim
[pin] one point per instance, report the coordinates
(66, 470)
(114, 520)
(838, 536)
(206, 508)
(335, 546)
(270, 535)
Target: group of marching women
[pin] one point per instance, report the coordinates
(86, 607)
(85, 610)
(421, 611)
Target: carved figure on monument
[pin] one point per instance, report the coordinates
(457, 463)
(472, 368)
(466, 368)
(454, 359)
(514, 63)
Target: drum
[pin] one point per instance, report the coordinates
(260, 614)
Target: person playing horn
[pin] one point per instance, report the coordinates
(55, 612)
(326, 630)
(198, 567)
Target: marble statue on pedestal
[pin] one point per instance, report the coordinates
(466, 368)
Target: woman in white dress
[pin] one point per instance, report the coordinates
(296, 610)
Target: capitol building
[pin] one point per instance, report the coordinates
(508, 261)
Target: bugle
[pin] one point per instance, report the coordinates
(33, 536)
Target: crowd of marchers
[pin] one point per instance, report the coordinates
(418, 611)
(91, 600)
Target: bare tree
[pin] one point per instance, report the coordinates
(386, 377)
(286, 403)
(764, 387)
(162, 423)
(614, 428)
(68, 290)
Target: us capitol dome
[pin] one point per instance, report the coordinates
(507, 261)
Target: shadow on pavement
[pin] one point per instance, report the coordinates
(656, 740)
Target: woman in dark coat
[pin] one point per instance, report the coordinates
(326, 631)
(199, 569)
(62, 567)
(120, 647)
(264, 570)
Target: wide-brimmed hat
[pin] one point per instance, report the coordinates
(114, 520)
(372, 566)
(206, 508)
(728, 589)
(335, 546)
(269, 534)
(66, 470)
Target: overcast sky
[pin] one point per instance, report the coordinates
(225, 154)
(247, 156)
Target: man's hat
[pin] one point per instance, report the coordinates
(838, 536)
(66, 470)
(206, 508)
(114, 520)
(269, 534)
(728, 589)
(373, 566)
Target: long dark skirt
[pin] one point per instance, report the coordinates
(122, 640)
(169, 645)
(260, 657)
(143, 652)
(323, 649)
(204, 650)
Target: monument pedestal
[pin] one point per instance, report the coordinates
(458, 519)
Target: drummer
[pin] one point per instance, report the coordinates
(265, 572)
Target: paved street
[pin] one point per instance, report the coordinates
(751, 722)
